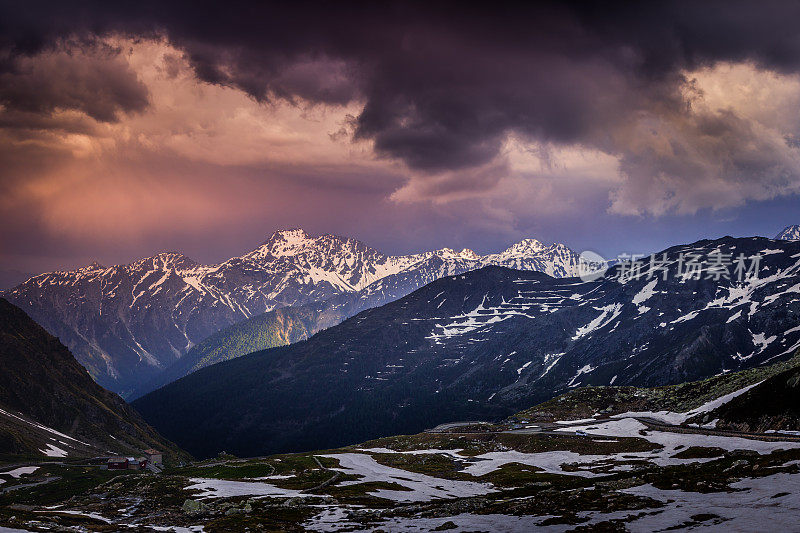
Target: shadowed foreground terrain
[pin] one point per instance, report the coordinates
(608, 458)
(51, 407)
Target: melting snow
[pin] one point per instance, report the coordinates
(644, 295)
(420, 486)
(550, 360)
(583, 370)
(686, 317)
(674, 442)
(734, 316)
(743, 510)
(523, 367)
(761, 341)
(21, 471)
(40, 426)
(53, 451)
(223, 488)
(609, 313)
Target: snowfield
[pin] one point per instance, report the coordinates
(417, 487)
(223, 488)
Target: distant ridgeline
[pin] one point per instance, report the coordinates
(128, 323)
(485, 344)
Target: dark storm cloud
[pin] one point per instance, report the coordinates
(83, 76)
(443, 84)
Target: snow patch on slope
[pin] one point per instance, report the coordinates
(607, 314)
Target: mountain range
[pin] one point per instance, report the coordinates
(127, 323)
(291, 324)
(487, 343)
(50, 406)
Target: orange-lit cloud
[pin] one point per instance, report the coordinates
(130, 135)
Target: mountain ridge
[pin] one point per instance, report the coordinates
(487, 343)
(126, 323)
(49, 405)
(291, 324)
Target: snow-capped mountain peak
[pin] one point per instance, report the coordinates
(125, 322)
(524, 247)
(466, 253)
(789, 233)
(501, 337)
(284, 243)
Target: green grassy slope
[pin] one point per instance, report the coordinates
(276, 328)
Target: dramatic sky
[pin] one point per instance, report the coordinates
(616, 127)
